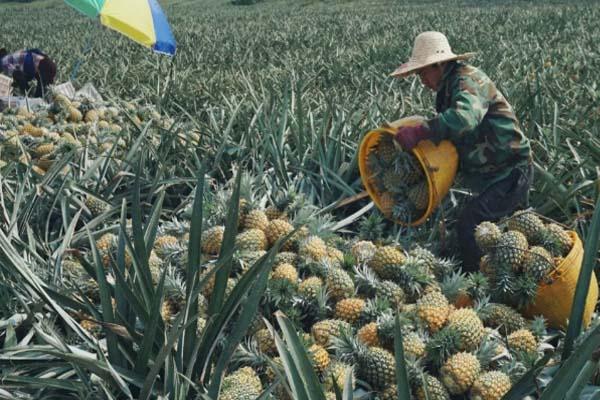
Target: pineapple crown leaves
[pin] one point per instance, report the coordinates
(248, 354)
(371, 227)
(486, 352)
(348, 348)
(538, 327)
(442, 345)
(453, 285)
(373, 309)
(478, 285)
(366, 280)
(525, 289)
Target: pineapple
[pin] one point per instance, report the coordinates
(385, 257)
(243, 384)
(337, 372)
(349, 309)
(413, 344)
(91, 327)
(171, 306)
(287, 257)
(285, 272)
(392, 180)
(74, 115)
(387, 203)
(335, 255)
(252, 240)
(310, 287)
(369, 284)
(155, 264)
(467, 323)
(95, 205)
(212, 239)
(557, 240)
(319, 357)
(265, 342)
(538, 262)
(511, 249)
(313, 248)
(386, 149)
(492, 385)
(528, 224)
(433, 309)
(522, 340)
(459, 372)
(91, 116)
(363, 251)
(419, 195)
(375, 365)
(105, 245)
(368, 335)
(276, 229)
(503, 317)
(339, 283)
(44, 149)
(274, 212)
(323, 331)
(163, 243)
(487, 235)
(431, 389)
(256, 219)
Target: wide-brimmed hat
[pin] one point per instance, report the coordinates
(429, 48)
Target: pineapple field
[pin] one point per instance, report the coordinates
(202, 232)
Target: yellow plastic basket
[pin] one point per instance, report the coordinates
(439, 162)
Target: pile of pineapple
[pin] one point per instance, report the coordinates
(343, 295)
(39, 137)
(520, 253)
(399, 180)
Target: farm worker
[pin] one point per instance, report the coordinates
(495, 156)
(27, 65)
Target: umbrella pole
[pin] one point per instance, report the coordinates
(86, 49)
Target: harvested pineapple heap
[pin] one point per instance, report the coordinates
(42, 135)
(399, 179)
(343, 295)
(520, 254)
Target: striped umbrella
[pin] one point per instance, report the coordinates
(140, 20)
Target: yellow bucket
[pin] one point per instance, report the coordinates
(554, 300)
(439, 164)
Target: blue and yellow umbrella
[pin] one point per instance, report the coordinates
(141, 20)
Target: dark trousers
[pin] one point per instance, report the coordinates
(21, 81)
(498, 201)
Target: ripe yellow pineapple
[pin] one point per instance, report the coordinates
(319, 357)
(470, 328)
(105, 245)
(171, 306)
(459, 372)
(91, 116)
(276, 229)
(155, 264)
(44, 149)
(323, 331)
(212, 239)
(163, 243)
(285, 272)
(313, 248)
(368, 335)
(522, 340)
(274, 212)
(91, 327)
(433, 309)
(256, 219)
(74, 115)
(252, 240)
(336, 256)
(492, 385)
(384, 257)
(349, 309)
(265, 341)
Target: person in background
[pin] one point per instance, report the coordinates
(495, 156)
(25, 66)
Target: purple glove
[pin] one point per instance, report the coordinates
(409, 136)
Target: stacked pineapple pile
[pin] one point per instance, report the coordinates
(520, 254)
(343, 296)
(399, 180)
(41, 136)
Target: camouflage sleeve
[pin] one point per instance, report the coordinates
(467, 109)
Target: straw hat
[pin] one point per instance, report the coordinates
(429, 48)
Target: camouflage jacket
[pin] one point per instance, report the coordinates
(476, 117)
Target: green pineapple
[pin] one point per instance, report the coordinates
(511, 250)
(430, 388)
(369, 284)
(503, 317)
(557, 240)
(419, 195)
(339, 283)
(538, 262)
(528, 224)
(387, 259)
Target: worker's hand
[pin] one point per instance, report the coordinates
(409, 136)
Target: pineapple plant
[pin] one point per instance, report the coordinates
(370, 285)
(413, 344)
(538, 262)
(368, 335)
(503, 317)
(363, 251)
(418, 195)
(287, 257)
(265, 341)
(337, 372)
(95, 205)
